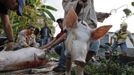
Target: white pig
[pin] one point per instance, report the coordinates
(79, 37)
(19, 57)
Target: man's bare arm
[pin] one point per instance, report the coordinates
(7, 27)
(132, 41)
(60, 39)
(131, 38)
(49, 44)
(57, 41)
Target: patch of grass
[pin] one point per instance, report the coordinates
(53, 54)
(109, 69)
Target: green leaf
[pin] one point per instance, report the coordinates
(44, 15)
(48, 7)
(50, 15)
(37, 2)
(51, 8)
(41, 10)
(127, 11)
(43, 6)
(28, 16)
(132, 3)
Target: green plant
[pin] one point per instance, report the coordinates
(111, 66)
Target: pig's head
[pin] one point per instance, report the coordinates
(80, 36)
(84, 36)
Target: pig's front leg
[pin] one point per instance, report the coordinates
(68, 64)
(79, 70)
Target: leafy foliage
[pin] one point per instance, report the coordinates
(45, 11)
(132, 3)
(127, 11)
(34, 12)
(112, 68)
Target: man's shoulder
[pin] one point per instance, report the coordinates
(128, 32)
(22, 32)
(117, 31)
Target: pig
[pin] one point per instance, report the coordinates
(79, 37)
(23, 58)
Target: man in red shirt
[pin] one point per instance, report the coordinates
(58, 47)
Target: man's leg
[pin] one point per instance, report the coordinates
(90, 54)
(61, 51)
(68, 64)
(93, 48)
(48, 40)
(124, 48)
(43, 41)
(58, 49)
(114, 46)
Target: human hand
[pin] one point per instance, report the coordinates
(102, 16)
(47, 48)
(26, 46)
(9, 46)
(107, 15)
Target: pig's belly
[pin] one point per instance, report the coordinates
(19, 56)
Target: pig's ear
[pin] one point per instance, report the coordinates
(70, 19)
(100, 32)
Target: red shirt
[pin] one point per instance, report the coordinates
(60, 34)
